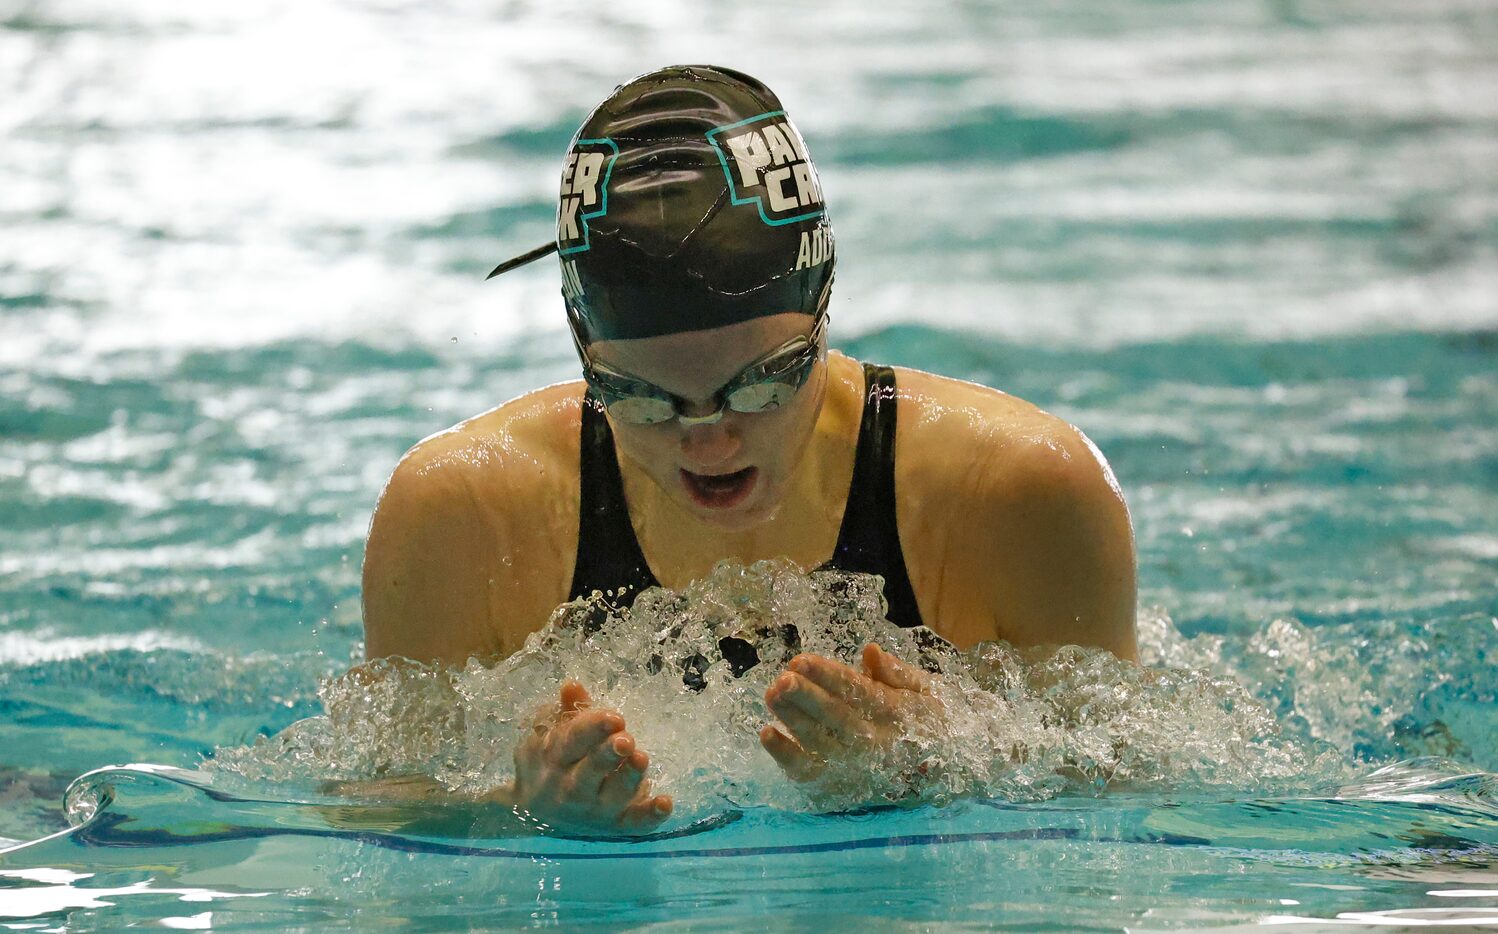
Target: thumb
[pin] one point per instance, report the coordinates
(574, 697)
(886, 669)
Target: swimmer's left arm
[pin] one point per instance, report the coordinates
(1049, 548)
(1048, 551)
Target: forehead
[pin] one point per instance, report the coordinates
(697, 363)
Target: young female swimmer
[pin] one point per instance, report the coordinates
(711, 422)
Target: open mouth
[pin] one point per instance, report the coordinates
(721, 491)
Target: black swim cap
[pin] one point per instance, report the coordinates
(688, 202)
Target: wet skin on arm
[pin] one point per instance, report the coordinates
(1029, 541)
(1024, 538)
(443, 583)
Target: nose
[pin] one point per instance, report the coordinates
(707, 446)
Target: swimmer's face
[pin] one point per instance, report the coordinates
(733, 473)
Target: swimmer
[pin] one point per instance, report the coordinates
(713, 422)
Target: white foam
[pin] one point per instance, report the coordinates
(1018, 724)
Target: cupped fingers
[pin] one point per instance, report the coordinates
(625, 783)
(577, 736)
(601, 762)
(626, 792)
(810, 735)
(809, 710)
(646, 813)
(797, 764)
(854, 688)
(886, 668)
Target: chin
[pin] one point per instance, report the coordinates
(760, 507)
(733, 520)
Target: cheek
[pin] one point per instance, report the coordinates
(782, 435)
(646, 445)
(804, 409)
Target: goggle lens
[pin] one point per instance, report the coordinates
(761, 397)
(640, 410)
(763, 386)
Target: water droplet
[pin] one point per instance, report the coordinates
(1014, 724)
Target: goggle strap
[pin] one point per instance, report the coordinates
(529, 256)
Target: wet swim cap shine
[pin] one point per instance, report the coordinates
(688, 202)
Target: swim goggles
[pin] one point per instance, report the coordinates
(768, 383)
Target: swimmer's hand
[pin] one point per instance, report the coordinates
(839, 715)
(579, 771)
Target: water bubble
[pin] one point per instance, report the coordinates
(688, 670)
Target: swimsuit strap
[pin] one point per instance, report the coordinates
(609, 558)
(869, 540)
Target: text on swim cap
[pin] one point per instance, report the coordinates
(765, 161)
(579, 187)
(584, 191)
(572, 285)
(769, 158)
(816, 247)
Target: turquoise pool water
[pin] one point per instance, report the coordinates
(1250, 248)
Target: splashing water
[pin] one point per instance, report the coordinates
(1017, 724)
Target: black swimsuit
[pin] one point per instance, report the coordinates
(609, 558)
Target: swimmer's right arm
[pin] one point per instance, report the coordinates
(468, 552)
(576, 770)
(430, 588)
(425, 582)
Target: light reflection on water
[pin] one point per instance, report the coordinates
(1087, 173)
(1070, 862)
(55, 892)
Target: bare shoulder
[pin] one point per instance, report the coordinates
(987, 443)
(471, 543)
(518, 446)
(1013, 521)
